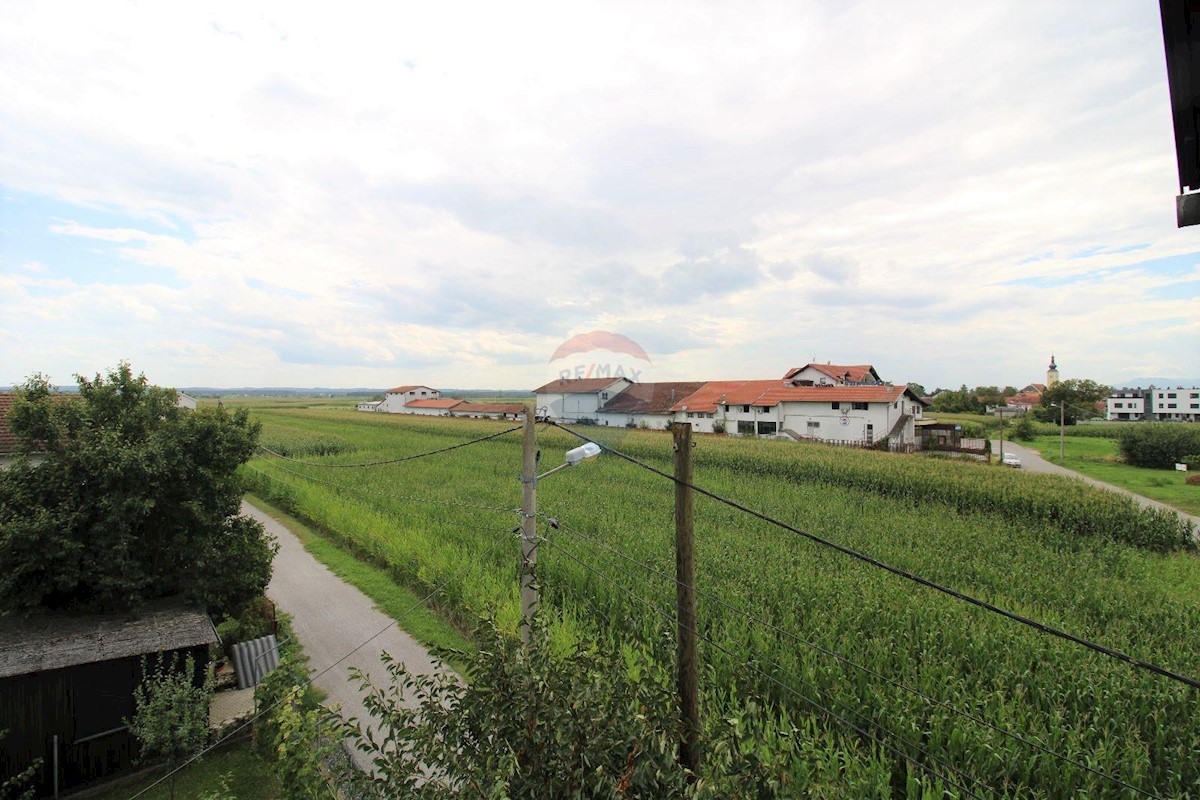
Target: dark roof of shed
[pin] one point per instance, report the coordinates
(651, 398)
(54, 640)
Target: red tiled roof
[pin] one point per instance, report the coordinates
(403, 389)
(433, 402)
(858, 372)
(771, 393)
(577, 385)
(8, 439)
(651, 398)
(1024, 399)
(467, 407)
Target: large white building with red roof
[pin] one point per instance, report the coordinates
(396, 398)
(844, 404)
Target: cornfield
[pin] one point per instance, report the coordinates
(932, 695)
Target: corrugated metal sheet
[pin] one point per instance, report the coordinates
(254, 659)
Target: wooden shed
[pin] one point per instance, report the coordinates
(67, 681)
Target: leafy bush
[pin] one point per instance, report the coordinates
(257, 620)
(1023, 430)
(533, 724)
(719, 426)
(1159, 445)
(170, 719)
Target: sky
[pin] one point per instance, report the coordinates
(375, 194)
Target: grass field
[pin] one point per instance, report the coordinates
(775, 605)
(247, 776)
(1100, 459)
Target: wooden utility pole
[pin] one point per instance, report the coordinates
(685, 598)
(529, 595)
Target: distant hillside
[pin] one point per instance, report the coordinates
(1162, 383)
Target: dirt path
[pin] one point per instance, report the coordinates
(332, 618)
(1032, 461)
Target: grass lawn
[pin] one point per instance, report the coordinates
(419, 621)
(1100, 459)
(248, 778)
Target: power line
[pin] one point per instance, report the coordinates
(903, 573)
(392, 460)
(860, 730)
(467, 563)
(558, 524)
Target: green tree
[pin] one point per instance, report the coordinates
(1023, 429)
(119, 496)
(1159, 445)
(917, 389)
(1078, 397)
(170, 717)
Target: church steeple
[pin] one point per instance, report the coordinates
(1052, 373)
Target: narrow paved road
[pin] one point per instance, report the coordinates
(1032, 460)
(332, 618)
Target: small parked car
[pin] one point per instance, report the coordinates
(1011, 460)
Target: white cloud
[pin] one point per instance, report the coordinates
(448, 190)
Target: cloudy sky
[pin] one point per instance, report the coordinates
(354, 194)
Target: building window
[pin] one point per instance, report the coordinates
(813, 426)
(728, 408)
(870, 433)
(1170, 395)
(604, 395)
(1118, 405)
(765, 428)
(745, 427)
(835, 405)
(764, 409)
(1170, 405)
(860, 406)
(745, 409)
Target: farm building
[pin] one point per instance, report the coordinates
(396, 398)
(832, 375)
(841, 404)
(646, 404)
(67, 681)
(368, 405)
(573, 399)
(488, 410)
(431, 407)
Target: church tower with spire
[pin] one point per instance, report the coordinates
(1052, 373)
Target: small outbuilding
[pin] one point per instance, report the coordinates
(67, 681)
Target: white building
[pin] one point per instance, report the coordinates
(1154, 405)
(1175, 405)
(510, 411)
(646, 405)
(832, 375)
(573, 399)
(369, 405)
(856, 414)
(432, 406)
(395, 399)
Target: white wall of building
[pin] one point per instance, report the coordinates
(1175, 404)
(571, 406)
(393, 402)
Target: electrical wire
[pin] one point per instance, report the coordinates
(559, 525)
(467, 564)
(903, 573)
(393, 460)
(833, 714)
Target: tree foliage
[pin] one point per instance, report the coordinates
(970, 401)
(170, 719)
(1077, 397)
(119, 496)
(1159, 445)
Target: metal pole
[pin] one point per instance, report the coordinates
(685, 598)
(55, 766)
(529, 595)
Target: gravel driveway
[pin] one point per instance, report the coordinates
(1032, 461)
(332, 618)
